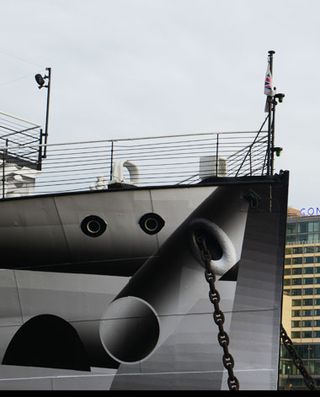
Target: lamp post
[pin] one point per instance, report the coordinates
(41, 80)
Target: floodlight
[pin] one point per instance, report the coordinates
(39, 80)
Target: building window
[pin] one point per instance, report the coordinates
(297, 250)
(297, 261)
(307, 302)
(291, 239)
(297, 291)
(316, 238)
(306, 334)
(303, 227)
(291, 228)
(308, 270)
(310, 227)
(309, 250)
(298, 313)
(303, 238)
(306, 313)
(308, 291)
(297, 270)
(316, 302)
(307, 280)
(287, 271)
(309, 259)
(296, 334)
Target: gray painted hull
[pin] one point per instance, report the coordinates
(55, 269)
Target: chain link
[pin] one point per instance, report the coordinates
(218, 316)
(223, 337)
(296, 359)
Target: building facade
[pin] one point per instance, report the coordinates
(301, 304)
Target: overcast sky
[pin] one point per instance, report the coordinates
(132, 68)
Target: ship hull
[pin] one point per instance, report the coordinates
(129, 308)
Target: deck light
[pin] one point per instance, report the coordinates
(280, 97)
(278, 151)
(40, 80)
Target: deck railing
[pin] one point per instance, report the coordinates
(21, 141)
(153, 161)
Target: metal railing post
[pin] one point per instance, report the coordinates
(40, 151)
(3, 174)
(111, 161)
(217, 154)
(4, 157)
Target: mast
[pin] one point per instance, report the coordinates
(270, 123)
(272, 100)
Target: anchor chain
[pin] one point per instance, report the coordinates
(218, 316)
(296, 359)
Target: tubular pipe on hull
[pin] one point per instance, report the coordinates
(147, 310)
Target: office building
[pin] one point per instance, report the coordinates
(301, 300)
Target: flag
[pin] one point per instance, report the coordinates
(268, 88)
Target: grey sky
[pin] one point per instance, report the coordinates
(125, 68)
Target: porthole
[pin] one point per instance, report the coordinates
(93, 226)
(151, 223)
